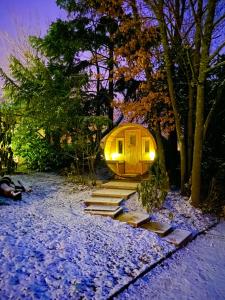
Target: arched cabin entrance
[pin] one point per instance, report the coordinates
(129, 150)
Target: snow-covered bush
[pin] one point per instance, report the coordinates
(152, 192)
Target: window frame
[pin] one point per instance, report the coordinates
(120, 140)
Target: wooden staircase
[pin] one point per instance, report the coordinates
(121, 184)
(106, 201)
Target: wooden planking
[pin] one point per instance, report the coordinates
(178, 237)
(157, 227)
(134, 219)
(104, 201)
(101, 207)
(130, 175)
(111, 214)
(114, 193)
(121, 185)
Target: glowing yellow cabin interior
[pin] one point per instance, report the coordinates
(129, 150)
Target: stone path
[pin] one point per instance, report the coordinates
(157, 227)
(107, 200)
(178, 237)
(134, 219)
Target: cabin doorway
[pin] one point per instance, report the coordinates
(129, 150)
(132, 152)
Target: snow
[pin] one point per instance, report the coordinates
(51, 249)
(194, 272)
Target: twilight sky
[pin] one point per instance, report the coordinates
(30, 13)
(34, 16)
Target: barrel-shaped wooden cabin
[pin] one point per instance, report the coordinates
(129, 150)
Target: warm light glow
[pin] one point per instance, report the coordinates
(107, 154)
(41, 131)
(16, 159)
(152, 155)
(129, 149)
(115, 156)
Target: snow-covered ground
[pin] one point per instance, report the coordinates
(195, 272)
(51, 249)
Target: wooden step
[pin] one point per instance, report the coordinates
(101, 207)
(178, 237)
(106, 213)
(114, 193)
(123, 185)
(103, 201)
(131, 175)
(134, 219)
(157, 227)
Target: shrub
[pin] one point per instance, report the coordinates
(37, 153)
(152, 192)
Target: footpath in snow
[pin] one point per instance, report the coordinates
(51, 249)
(196, 272)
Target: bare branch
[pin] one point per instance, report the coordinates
(219, 20)
(188, 30)
(215, 66)
(215, 53)
(193, 9)
(191, 64)
(183, 7)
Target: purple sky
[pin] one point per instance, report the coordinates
(30, 13)
(34, 16)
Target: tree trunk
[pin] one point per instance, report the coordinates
(198, 144)
(111, 88)
(199, 120)
(190, 128)
(161, 154)
(177, 117)
(98, 108)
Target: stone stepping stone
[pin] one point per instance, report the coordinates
(157, 227)
(114, 193)
(134, 219)
(120, 185)
(103, 201)
(101, 210)
(178, 237)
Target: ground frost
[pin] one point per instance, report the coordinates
(51, 249)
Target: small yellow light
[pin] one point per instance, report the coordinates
(16, 159)
(41, 131)
(115, 156)
(152, 155)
